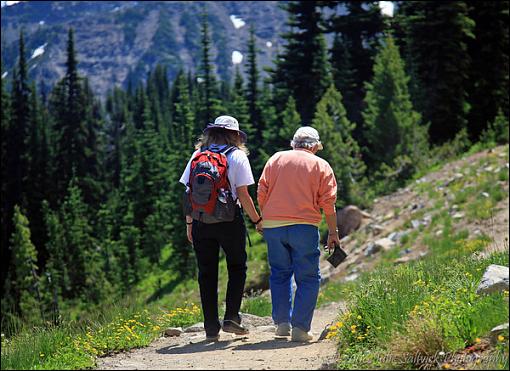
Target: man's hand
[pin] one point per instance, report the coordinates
(333, 240)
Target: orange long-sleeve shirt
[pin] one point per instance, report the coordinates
(295, 185)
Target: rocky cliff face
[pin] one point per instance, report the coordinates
(121, 40)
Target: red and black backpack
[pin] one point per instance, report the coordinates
(210, 194)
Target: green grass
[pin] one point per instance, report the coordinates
(257, 305)
(77, 345)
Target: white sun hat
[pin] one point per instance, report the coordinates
(228, 123)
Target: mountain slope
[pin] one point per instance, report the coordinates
(121, 40)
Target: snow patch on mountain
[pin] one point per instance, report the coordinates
(386, 8)
(38, 51)
(236, 21)
(9, 3)
(237, 57)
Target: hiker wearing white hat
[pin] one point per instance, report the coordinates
(217, 178)
(295, 185)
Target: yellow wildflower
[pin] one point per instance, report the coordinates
(501, 338)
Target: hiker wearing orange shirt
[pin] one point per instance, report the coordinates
(295, 185)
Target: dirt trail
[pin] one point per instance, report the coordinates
(259, 350)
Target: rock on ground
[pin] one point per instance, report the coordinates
(495, 279)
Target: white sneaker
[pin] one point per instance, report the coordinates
(283, 329)
(300, 335)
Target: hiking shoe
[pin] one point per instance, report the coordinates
(300, 335)
(283, 329)
(212, 338)
(234, 327)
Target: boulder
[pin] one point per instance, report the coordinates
(495, 279)
(173, 331)
(349, 219)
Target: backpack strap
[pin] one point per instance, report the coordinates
(228, 149)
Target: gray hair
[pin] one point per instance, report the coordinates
(307, 144)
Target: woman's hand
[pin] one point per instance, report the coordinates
(259, 228)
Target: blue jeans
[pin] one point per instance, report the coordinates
(294, 250)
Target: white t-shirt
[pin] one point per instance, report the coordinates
(239, 171)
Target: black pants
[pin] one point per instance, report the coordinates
(207, 239)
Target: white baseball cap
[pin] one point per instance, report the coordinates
(228, 123)
(307, 134)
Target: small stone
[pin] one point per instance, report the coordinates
(377, 229)
(197, 327)
(173, 331)
(385, 243)
(402, 260)
(351, 277)
(495, 279)
(405, 251)
(496, 331)
(371, 249)
(415, 223)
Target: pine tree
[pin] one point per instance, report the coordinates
(16, 160)
(211, 106)
(278, 137)
(488, 75)
(437, 34)
(25, 281)
(269, 117)
(252, 88)
(393, 131)
(303, 69)
(86, 278)
(37, 174)
(357, 26)
(345, 78)
(56, 269)
(340, 149)
(184, 118)
(76, 146)
(238, 107)
(4, 221)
